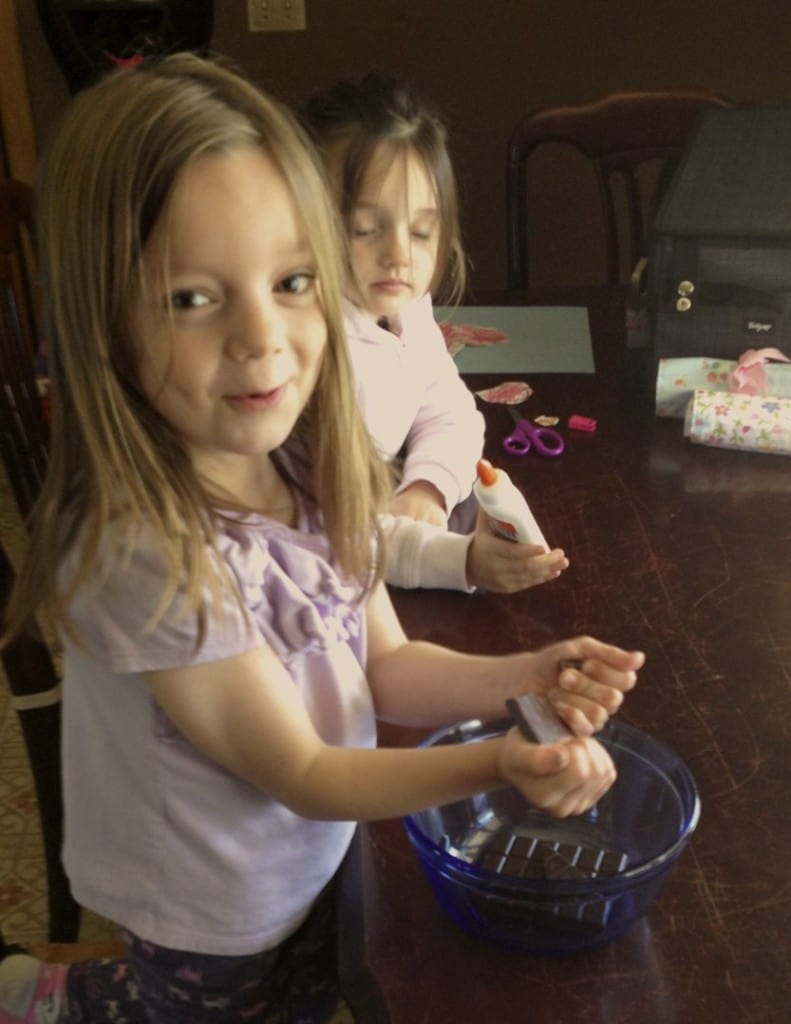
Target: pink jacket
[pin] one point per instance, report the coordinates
(411, 395)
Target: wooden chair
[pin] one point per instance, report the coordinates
(619, 133)
(28, 661)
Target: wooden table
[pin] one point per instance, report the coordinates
(685, 552)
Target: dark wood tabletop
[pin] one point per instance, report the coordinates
(684, 552)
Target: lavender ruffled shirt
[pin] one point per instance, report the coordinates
(158, 838)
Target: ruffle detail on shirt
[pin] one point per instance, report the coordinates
(297, 601)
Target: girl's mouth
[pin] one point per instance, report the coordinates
(390, 286)
(257, 401)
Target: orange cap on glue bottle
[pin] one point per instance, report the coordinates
(508, 512)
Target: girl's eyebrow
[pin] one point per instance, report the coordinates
(303, 250)
(299, 251)
(369, 204)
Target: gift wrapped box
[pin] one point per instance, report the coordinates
(677, 380)
(757, 423)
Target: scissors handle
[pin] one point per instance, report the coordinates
(517, 443)
(546, 441)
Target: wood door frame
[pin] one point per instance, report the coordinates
(16, 122)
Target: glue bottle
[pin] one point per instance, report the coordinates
(505, 505)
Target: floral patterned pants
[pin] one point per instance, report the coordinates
(295, 983)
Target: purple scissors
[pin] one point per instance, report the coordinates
(528, 437)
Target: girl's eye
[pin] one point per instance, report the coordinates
(297, 284)
(188, 299)
(424, 232)
(364, 226)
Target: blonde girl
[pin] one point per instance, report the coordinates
(206, 542)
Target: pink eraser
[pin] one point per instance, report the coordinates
(582, 423)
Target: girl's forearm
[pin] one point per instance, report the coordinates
(421, 684)
(352, 784)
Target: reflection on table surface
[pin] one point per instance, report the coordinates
(684, 552)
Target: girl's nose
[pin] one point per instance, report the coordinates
(256, 328)
(395, 248)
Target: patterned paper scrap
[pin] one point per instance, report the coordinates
(510, 392)
(458, 335)
(755, 423)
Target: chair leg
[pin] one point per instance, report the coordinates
(64, 911)
(28, 665)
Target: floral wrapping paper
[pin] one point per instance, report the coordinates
(757, 423)
(677, 380)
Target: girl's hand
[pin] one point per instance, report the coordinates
(503, 567)
(421, 500)
(560, 778)
(586, 695)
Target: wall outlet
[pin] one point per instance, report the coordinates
(276, 15)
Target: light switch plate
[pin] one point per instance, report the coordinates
(276, 15)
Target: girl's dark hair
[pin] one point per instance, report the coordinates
(357, 118)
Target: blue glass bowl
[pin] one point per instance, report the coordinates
(515, 876)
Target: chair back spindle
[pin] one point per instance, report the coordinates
(619, 134)
(24, 432)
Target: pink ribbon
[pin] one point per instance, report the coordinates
(749, 375)
(125, 62)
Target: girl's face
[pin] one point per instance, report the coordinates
(394, 233)
(241, 360)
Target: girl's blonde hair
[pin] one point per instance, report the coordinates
(103, 185)
(357, 119)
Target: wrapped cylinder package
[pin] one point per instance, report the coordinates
(758, 423)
